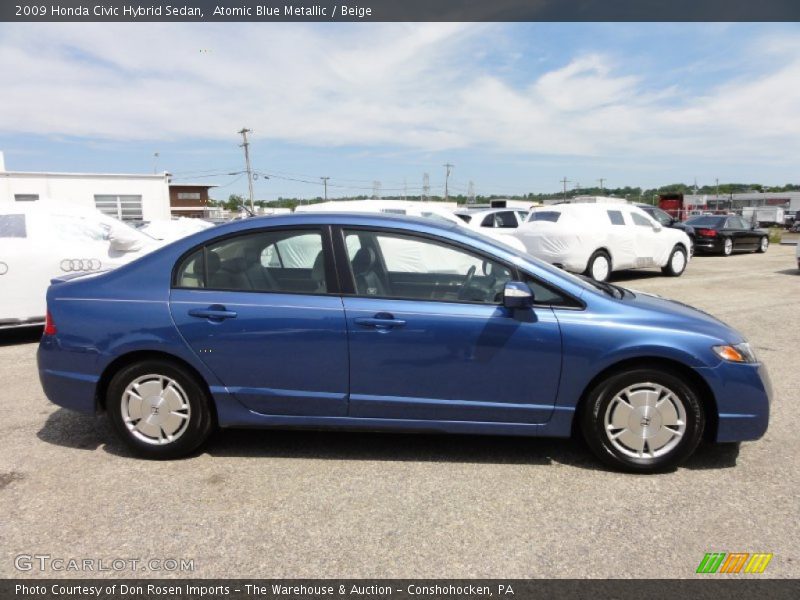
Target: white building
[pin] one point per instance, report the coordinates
(126, 197)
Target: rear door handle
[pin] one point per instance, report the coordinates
(381, 321)
(212, 313)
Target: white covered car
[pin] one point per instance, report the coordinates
(46, 239)
(597, 239)
(174, 229)
(482, 219)
(428, 210)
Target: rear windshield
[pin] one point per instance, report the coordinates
(545, 215)
(705, 221)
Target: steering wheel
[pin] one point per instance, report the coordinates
(465, 284)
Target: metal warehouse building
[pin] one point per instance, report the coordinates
(788, 200)
(124, 196)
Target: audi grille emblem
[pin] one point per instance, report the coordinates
(3, 268)
(80, 264)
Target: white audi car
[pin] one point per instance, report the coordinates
(597, 239)
(45, 239)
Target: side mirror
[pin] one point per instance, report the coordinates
(657, 227)
(517, 295)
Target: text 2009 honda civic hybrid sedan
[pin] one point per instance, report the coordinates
(387, 323)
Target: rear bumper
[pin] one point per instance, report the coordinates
(743, 395)
(708, 244)
(63, 386)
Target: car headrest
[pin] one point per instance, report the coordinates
(252, 256)
(363, 261)
(318, 270)
(235, 265)
(214, 262)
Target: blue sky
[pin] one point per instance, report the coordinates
(515, 107)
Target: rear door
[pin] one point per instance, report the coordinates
(429, 339)
(742, 237)
(262, 310)
(648, 244)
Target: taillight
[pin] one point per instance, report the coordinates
(707, 232)
(49, 326)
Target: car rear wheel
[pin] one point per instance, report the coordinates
(599, 266)
(763, 244)
(727, 247)
(159, 409)
(643, 421)
(676, 264)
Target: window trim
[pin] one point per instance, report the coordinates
(348, 279)
(332, 284)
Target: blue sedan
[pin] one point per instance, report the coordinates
(369, 322)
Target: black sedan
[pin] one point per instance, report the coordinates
(726, 234)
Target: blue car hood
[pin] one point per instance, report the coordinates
(682, 316)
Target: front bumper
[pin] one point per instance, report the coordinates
(743, 395)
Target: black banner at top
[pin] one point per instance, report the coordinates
(398, 10)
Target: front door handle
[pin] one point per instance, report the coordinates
(382, 321)
(212, 313)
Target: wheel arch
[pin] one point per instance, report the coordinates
(605, 251)
(135, 356)
(705, 394)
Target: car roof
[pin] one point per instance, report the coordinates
(338, 218)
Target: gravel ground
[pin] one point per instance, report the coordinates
(310, 504)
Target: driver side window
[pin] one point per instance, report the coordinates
(389, 265)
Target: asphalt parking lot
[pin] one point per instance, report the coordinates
(311, 504)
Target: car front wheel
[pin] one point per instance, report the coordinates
(599, 266)
(763, 244)
(676, 264)
(159, 409)
(644, 420)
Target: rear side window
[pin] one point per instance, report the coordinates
(545, 215)
(505, 220)
(13, 226)
(190, 273)
(465, 218)
(615, 216)
(275, 261)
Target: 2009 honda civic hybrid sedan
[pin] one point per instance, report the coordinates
(369, 322)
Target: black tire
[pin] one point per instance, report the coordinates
(590, 266)
(668, 269)
(727, 247)
(763, 244)
(190, 436)
(598, 437)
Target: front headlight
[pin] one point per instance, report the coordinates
(741, 353)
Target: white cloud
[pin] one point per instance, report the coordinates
(414, 86)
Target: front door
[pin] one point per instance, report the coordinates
(429, 339)
(256, 309)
